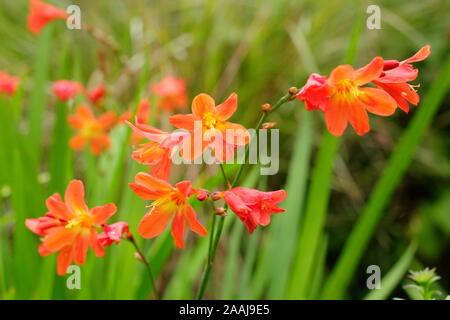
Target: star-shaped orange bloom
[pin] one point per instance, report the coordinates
(343, 98)
(208, 122)
(70, 227)
(91, 130)
(168, 203)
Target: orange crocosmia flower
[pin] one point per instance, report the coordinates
(396, 75)
(91, 130)
(70, 227)
(157, 153)
(171, 92)
(208, 123)
(96, 94)
(66, 89)
(8, 83)
(252, 206)
(343, 99)
(42, 13)
(168, 203)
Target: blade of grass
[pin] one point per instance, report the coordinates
(38, 92)
(395, 169)
(390, 281)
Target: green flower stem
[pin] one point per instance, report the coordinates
(214, 241)
(147, 265)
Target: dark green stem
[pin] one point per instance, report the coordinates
(214, 242)
(147, 265)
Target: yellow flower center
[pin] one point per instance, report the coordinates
(81, 220)
(90, 130)
(209, 120)
(347, 89)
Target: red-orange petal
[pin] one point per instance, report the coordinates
(77, 142)
(336, 117)
(226, 109)
(193, 222)
(64, 260)
(81, 246)
(378, 101)
(422, 54)
(369, 72)
(74, 197)
(95, 244)
(342, 72)
(358, 118)
(184, 121)
(102, 213)
(201, 104)
(153, 223)
(178, 229)
(193, 146)
(58, 208)
(58, 238)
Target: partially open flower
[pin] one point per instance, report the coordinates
(42, 13)
(396, 75)
(252, 206)
(8, 83)
(113, 233)
(96, 94)
(66, 89)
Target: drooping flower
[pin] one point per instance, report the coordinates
(113, 233)
(208, 126)
(252, 206)
(91, 130)
(158, 152)
(66, 89)
(96, 94)
(8, 83)
(396, 75)
(168, 203)
(343, 99)
(171, 92)
(70, 227)
(142, 117)
(42, 13)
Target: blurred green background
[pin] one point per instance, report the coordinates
(257, 49)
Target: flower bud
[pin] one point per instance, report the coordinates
(138, 257)
(220, 212)
(293, 91)
(268, 125)
(266, 107)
